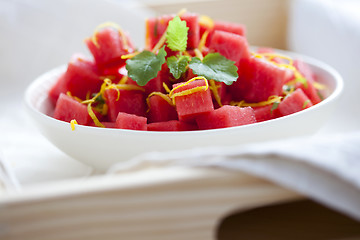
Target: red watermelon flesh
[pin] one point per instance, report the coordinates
(226, 116)
(129, 101)
(230, 27)
(310, 91)
(230, 45)
(109, 48)
(130, 121)
(173, 125)
(57, 89)
(80, 79)
(258, 80)
(106, 124)
(67, 109)
(190, 106)
(156, 84)
(304, 69)
(222, 91)
(236, 28)
(155, 28)
(160, 110)
(265, 113)
(294, 102)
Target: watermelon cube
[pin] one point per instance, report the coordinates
(310, 91)
(192, 105)
(130, 121)
(172, 125)
(230, 45)
(265, 113)
(80, 79)
(67, 109)
(109, 47)
(225, 97)
(160, 110)
(294, 102)
(236, 28)
(258, 80)
(226, 116)
(155, 28)
(128, 101)
(156, 84)
(58, 88)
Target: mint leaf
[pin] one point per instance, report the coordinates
(274, 106)
(215, 66)
(145, 66)
(177, 65)
(177, 34)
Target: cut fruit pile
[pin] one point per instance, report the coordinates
(194, 74)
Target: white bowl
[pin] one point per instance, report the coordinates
(102, 148)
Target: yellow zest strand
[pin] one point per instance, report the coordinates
(72, 124)
(173, 95)
(162, 39)
(114, 25)
(93, 116)
(123, 80)
(130, 55)
(214, 90)
(206, 21)
(319, 86)
(271, 99)
(167, 89)
(198, 54)
(270, 57)
(161, 42)
(203, 40)
(160, 94)
(74, 97)
(129, 87)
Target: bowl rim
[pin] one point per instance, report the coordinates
(336, 93)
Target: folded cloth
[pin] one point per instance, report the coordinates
(325, 168)
(8, 180)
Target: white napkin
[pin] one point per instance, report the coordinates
(324, 168)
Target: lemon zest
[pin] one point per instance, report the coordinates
(270, 57)
(113, 25)
(74, 97)
(215, 92)
(167, 89)
(206, 21)
(130, 55)
(173, 95)
(319, 86)
(72, 124)
(198, 54)
(160, 94)
(203, 39)
(123, 80)
(271, 99)
(93, 116)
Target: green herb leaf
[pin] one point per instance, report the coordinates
(303, 81)
(305, 103)
(145, 66)
(177, 65)
(177, 34)
(274, 106)
(215, 66)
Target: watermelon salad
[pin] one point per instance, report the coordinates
(194, 73)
